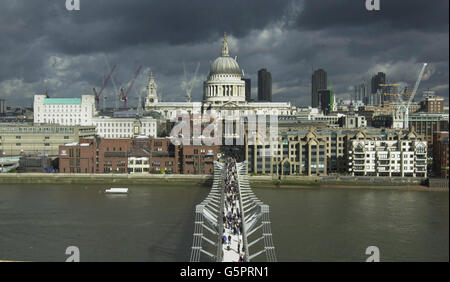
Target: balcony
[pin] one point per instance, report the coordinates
(359, 157)
(421, 163)
(358, 168)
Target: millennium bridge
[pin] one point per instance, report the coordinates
(232, 224)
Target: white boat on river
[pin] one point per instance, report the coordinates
(116, 191)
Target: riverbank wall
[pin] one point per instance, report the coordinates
(106, 179)
(289, 181)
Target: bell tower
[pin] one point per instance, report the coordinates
(152, 87)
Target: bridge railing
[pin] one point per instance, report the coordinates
(208, 226)
(256, 220)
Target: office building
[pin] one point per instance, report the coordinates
(427, 124)
(248, 89)
(379, 78)
(325, 101)
(264, 86)
(64, 111)
(29, 139)
(2, 107)
(432, 103)
(318, 82)
(125, 127)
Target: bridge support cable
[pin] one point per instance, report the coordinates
(208, 221)
(257, 222)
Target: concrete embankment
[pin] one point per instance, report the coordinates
(107, 179)
(326, 182)
(343, 182)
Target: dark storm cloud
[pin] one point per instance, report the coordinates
(43, 45)
(430, 16)
(113, 24)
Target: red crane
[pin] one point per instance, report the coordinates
(123, 96)
(97, 95)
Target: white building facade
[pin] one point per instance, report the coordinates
(64, 111)
(404, 158)
(115, 128)
(138, 165)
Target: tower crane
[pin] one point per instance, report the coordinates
(416, 86)
(105, 82)
(188, 85)
(404, 105)
(124, 95)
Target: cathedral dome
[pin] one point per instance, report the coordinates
(225, 64)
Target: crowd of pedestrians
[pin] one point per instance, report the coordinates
(232, 220)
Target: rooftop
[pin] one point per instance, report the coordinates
(63, 101)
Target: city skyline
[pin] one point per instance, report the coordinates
(283, 36)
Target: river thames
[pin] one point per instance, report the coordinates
(156, 223)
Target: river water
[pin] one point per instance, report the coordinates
(156, 223)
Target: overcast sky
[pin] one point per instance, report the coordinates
(42, 45)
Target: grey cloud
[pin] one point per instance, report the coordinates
(289, 38)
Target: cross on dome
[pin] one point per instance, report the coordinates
(225, 52)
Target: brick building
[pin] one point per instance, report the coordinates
(426, 124)
(165, 157)
(94, 156)
(137, 155)
(432, 104)
(198, 159)
(440, 154)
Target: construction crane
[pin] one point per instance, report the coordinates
(404, 105)
(124, 95)
(105, 82)
(390, 84)
(188, 85)
(416, 86)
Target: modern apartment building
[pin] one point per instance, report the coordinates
(309, 151)
(406, 156)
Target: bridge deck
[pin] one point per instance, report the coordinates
(232, 249)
